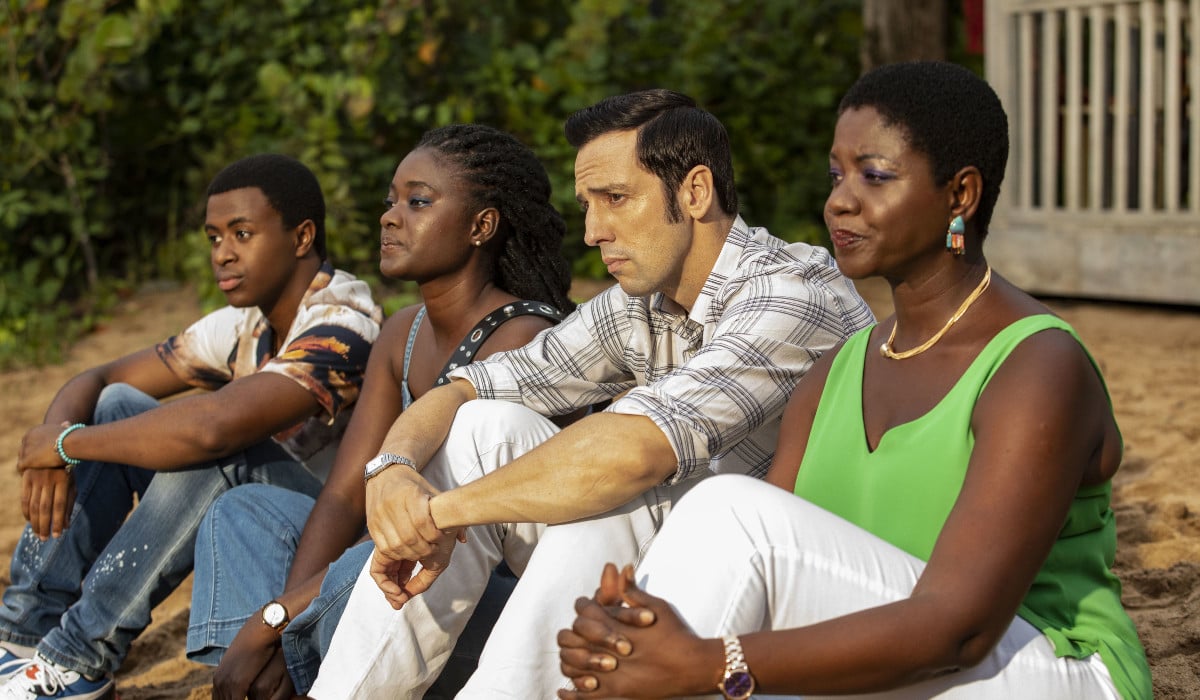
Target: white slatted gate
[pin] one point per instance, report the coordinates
(1102, 195)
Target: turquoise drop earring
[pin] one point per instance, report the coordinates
(954, 236)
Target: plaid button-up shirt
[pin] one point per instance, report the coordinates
(715, 380)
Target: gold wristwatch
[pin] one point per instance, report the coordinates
(275, 616)
(737, 684)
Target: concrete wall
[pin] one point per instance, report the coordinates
(1154, 259)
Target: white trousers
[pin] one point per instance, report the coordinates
(377, 652)
(739, 555)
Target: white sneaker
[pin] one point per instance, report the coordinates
(12, 658)
(39, 679)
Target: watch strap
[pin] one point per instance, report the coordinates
(737, 683)
(383, 461)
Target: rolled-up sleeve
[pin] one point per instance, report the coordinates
(771, 328)
(715, 378)
(201, 355)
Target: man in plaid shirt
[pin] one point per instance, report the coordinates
(698, 347)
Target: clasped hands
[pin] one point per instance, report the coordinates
(626, 643)
(402, 528)
(47, 490)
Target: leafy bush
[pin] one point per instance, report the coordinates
(115, 115)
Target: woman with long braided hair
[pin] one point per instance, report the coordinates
(468, 218)
(503, 173)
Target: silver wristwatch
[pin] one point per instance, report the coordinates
(383, 461)
(737, 684)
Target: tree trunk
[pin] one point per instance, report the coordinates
(912, 30)
(78, 225)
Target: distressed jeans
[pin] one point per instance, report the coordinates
(244, 552)
(83, 597)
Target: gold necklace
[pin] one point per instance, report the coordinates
(886, 348)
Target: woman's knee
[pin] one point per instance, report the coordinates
(243, 499)
(729, 502)
(250, 517)
(248, 509)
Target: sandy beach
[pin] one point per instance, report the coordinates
(1150, 358)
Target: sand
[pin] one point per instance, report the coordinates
(1149, 356)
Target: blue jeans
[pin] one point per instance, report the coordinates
(83, 597)
(244, 551)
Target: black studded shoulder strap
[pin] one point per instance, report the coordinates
(482, 330)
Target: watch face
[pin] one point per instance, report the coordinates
(738, 684)
(274, 615)
(382, 461)
(375, 466)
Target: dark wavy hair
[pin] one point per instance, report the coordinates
(948, 113)
(674, 136)
(503, 173)
(289, 186)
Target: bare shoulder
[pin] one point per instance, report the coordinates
(814, 378)
(1048, 361)
(399, 323)
(393, 337)
(1044, 351)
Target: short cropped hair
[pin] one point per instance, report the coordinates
(288, 185)
(948, 113)
(674, 136)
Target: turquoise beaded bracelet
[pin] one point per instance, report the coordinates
(71, 462)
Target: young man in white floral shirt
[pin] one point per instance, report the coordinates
(283, 364)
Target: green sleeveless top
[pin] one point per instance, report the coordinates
(904, 490)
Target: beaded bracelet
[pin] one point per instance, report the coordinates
(71, 462)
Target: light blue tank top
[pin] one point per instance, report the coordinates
(406, 397)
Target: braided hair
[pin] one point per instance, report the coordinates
(503, 173)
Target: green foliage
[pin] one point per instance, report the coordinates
(115, 115)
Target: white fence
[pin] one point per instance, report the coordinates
(1102, 196)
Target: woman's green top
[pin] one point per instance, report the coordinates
(903, 491)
